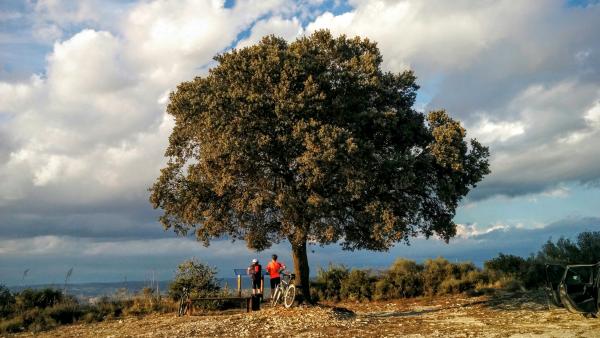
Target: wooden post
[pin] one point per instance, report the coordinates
(262, 284)
(239, 285)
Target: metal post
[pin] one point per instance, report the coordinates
(239, 285)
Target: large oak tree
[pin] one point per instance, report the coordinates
(311, 141)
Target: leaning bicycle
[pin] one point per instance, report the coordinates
(183, 302)
(286, 290)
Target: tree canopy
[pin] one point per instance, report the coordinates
(312, 141)
(584, 250)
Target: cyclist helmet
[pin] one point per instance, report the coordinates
(254, 260)
(274, 257)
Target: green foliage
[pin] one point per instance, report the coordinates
(506, 264)
(311, 140)
(12, 325)
(7, 301)
(328, 283)
(197, 278)
(106, 308)
(462, 278)
(64, 313)
(38, 310)
(530, 272)
(434, 273)
(403, 280)
(41, 299)
(584, 250)
(357, 286)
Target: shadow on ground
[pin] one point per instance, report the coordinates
(532, 300)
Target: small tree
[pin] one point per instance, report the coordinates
(311, 141)
(197, 278)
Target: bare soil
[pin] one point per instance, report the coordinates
(500, 315)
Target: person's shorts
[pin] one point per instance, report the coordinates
(275, 282)
(256, 283)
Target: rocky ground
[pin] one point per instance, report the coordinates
(501, 315)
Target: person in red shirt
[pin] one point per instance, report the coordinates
(274, 269)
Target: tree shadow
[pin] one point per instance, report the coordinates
(532, 300)
(396, 314)
(345, 313)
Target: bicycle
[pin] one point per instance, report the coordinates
(183, 302)
(287, 289)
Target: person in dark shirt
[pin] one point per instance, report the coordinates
(255, 273)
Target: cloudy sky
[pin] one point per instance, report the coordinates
(84, 84)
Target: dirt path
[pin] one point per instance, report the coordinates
(501, 316)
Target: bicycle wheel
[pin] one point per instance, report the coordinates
(290, 295)
(182, 307)
(276, 296)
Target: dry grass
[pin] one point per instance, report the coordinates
(499, 315)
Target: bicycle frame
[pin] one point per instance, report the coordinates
(286, 289)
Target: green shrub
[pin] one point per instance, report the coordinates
(506, 264)
(38, 321)
(357, 286)
(529, 272)
(435, 271)
(402, 280)
(534, 274)
(197, 278)
(12, 325)
(442, 277)
(64, 313)
(41, 299)
(107, 308)
(328, 283)
(456, 286)
(7, 302)
(146, 301)
(509, 283)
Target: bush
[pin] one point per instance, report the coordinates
(402, 280)
(458, 285)
(442, 277)
(535, 273)
(197, 278)
(357, 286)
(328, 284)
(36, 320)
(12, 325)
(7, 302)
(509, 283)
(40, 299)
(147, 301)
(106, 308)
(435, 271)
(529, 272)
(506, 264)
(64, 313)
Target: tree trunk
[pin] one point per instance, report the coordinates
(302, 271)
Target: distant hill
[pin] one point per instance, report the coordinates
(90, 290)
